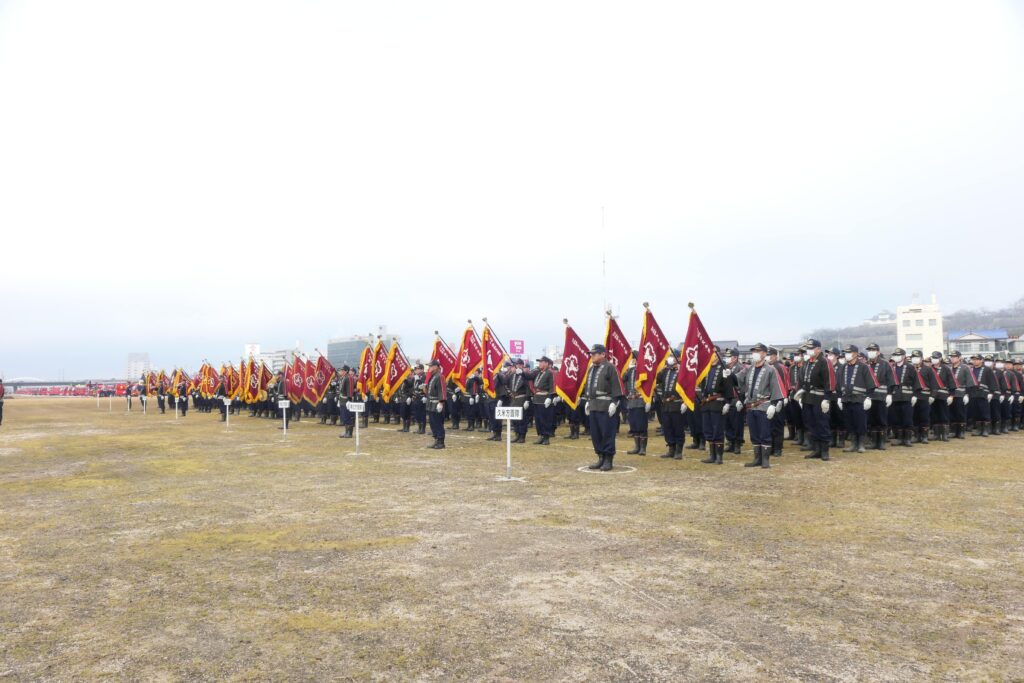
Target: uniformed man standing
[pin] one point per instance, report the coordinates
(716, 393)
(763, 395)
(779, 419)
(636, 411)
(472, 401)
(881, 398)
(856, 384)
(3, 392)
(901, 412)
(346, 392)
(672, 417)
(794, 411)
(817, 383)
(1018, 406)
(602, 390)
(964, 382)
(519, 397)
(501, 399)
(437, 396)
(925, 392)
(1002, 425)
(945, 385)
(980, 395)
(735, 421)
(544, 400)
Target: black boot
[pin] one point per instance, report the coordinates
(860, 444)
(719, 452)
(712, 455)
(756, 462)
(455, 425)
(791, 435)
(643, 446)
(670, 453)
(924, 434)
(696, 443)
(677, 451)
(779, 442)
(824, 450)
(765, 458)
(422, 429)
(607, 465)
(815, 451)
(636, 446)
(438, 444)
(471, 425)
(597, 465)
(574, 432)
(852, 448)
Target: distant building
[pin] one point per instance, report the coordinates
(276, 360)
(347, 350)
(919, 327)
(985, 342)
(883, 318)
(136, 365)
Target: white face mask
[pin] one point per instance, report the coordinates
(519, 371)
(832, 358)
(988, 364)
(670, 361)
(936, 361)
(847, 357)
(897, 359)
(1000, 366)
(872, 355)
(915, 360)
(755, 357)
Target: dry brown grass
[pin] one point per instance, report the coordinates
(142, 548)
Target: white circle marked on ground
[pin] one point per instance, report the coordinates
(617, 469)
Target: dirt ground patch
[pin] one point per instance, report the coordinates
(148, 548)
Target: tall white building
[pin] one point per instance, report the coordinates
(136, 365)
(919, 327)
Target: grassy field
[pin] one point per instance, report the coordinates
(144, 548)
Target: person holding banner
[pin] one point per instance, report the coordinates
(437, 396)
(603, 391)
(637, 410)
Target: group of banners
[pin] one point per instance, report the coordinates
(382, 370)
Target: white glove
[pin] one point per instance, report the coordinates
(725, 408)
(647, 407)
(739, 406)
(547, 403)
(840, 404)
(888, 400)
(949, 401)
(913, 401)
(726, 372)
(989, 397)
(470, 400)
(867, 403)
(770, 412)
(967, 399)
(931, 400)
(586, 409)
(612, 408)
(498, 404)
(682, 408)
(785, 401)
(825, 406)
(440, 407)
(408, 401)
(424, 399)
(556, 400)
(1001, 398)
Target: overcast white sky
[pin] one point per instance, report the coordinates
(182, 178)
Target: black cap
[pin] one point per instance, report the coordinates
(434, 363)
(759, 347)
(851, 348)
(976, 356)
(598, 348)
(988, 358)
(675, 353)
(519, 361)
(811, 344)
(937, 354)
(872, 347)
(729, 353)
(345, 368)
(544, 359)
(898, 352)
(772, 351)
(954, 354)
(834, 351)
(916, 354)
(418, 366)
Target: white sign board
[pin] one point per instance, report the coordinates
(284, 404)
(508, 413)
(354, 407)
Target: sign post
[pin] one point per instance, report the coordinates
(142, 397)
(508, 414)
(283, 405)
(110, 402)
(227, 413)
(357, 408)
